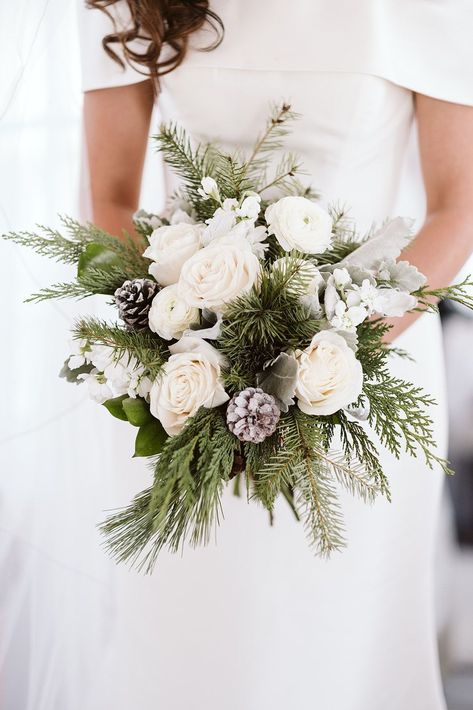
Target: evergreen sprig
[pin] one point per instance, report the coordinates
(150, 351)
(184, 502)
(461, 293)
(269, 318)
(398, 410)
(270, 141)
(69, 250)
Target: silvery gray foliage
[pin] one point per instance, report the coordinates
(279, 379)
(146, 222)
(361, 414)
(211, 326)
(386, 243)
(401, 275)
(252, 415)
(350, 337)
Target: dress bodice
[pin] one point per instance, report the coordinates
(350, 68)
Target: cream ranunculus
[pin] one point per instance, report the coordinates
(169, 247)
(190, 380)
(299, 223)
(329, 375)
(169, 315)
(219, 273)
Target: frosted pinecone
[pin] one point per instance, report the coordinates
(134, 299)
(252, 415)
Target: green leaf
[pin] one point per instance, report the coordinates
(97, 256)
(115, 407)
(137, 411)
(150, 439)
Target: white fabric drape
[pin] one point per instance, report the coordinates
(56, 582)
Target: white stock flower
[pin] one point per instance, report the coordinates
(101, 356)
(99, 390)
(190, 379)
(348, 318)
(170, 315)
(169, 248)
(341, 277)
(209, 189)
(80, 354)
(299, 223)
(393, 303)
(250, 207)
(221, 224)
(219, 273)
(233, 219)
(329, 375)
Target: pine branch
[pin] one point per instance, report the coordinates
(230, 175)
(184, 502)
(285, 172)
(266, 320)
(190, 163)
(357, 445)
(351, 474)
(270, 141)
(148, 348)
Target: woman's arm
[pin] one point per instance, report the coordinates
(117, 122)
(446, 240)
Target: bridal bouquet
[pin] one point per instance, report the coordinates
(250, 339)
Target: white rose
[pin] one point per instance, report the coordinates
(329, 375)
(299, 223)
(169, 248)
(169, 315)
(219, 273)
(190, 380)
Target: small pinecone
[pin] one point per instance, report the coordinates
(252, 415)
(134, 299)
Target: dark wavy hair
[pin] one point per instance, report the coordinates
(159, 22)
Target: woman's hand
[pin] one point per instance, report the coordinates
(117, 122)
(446, 240)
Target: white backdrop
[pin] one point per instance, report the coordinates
(56, 585)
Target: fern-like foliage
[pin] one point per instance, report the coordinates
(69, 249)
(184, 502)
(398, 410)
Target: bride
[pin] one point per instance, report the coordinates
(385, 93)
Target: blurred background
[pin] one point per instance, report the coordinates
(41, 158)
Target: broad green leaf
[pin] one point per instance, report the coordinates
(115, 407)
(137, 411)
(97, 256)
(150, 439)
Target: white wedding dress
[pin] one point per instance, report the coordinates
(255, 621)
